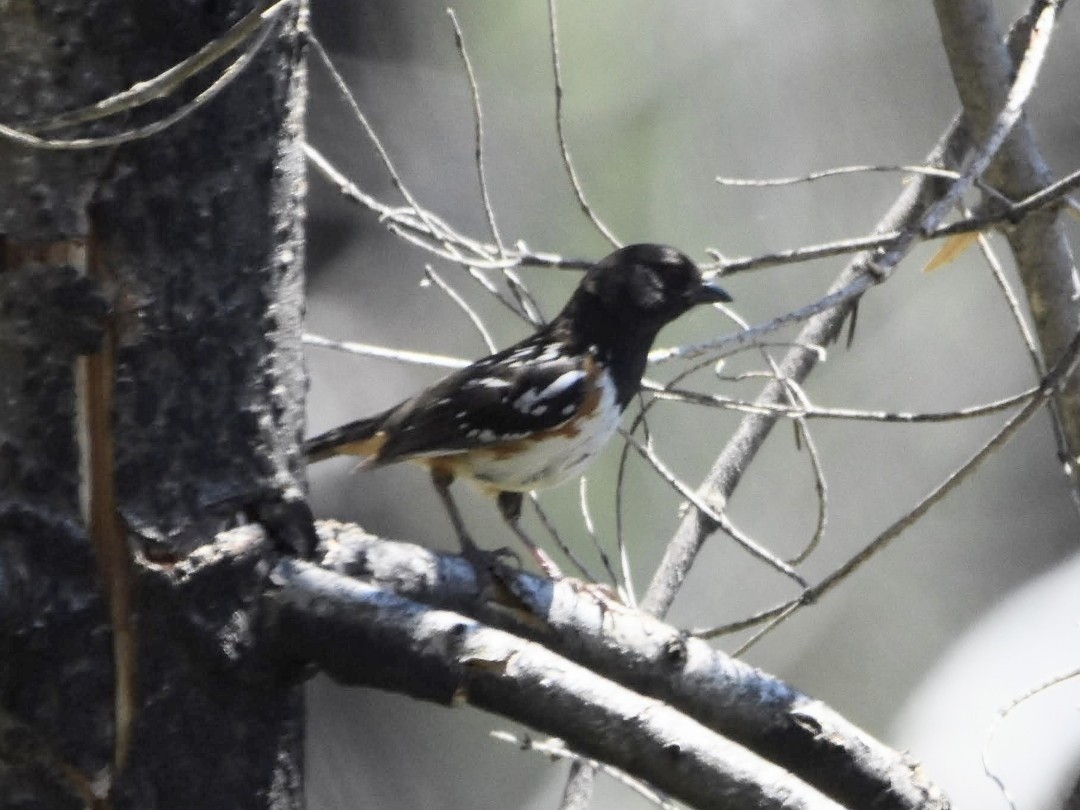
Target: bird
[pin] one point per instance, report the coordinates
(536, 413)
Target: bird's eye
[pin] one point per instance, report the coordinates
(647, 288)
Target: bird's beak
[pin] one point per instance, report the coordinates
(709, 292)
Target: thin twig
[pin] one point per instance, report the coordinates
(409, 224)
(564, 150)
(897, 239)
(834, 300)
(556, 749)
(621, 546)
(1053, 193)
(384, 156)
(930, 171)
(168, 81)
(708, 511)
(224, 80)
(478, 119)
(771, 182)
(1005, 712)
(624, 589)
(563, 546)
(529, 305)
(1045, 390)
(525, 304)
(796, 395)
(777, 620)
(811, 411)
(493, 290)
(463, 305)
(479, 253)
(804, 436)
(383, 353)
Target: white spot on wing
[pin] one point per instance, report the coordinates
(563, 382)
(529, 401)
(487, 382)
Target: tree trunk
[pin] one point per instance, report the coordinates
(151, 390)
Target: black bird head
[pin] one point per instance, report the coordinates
(624, 300)
(639, 289)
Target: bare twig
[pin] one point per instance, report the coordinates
(796, 396)
(1009, 213)
(556, 749)
(720, 518)
(259, 24)
(478, 119)
(623, 585)
(434, 226)
(526, 305)
(168, 81)
(423, 230)
(1053, 193)
(564, 150)
(1004, 713)
(514, 305)
(810, 411)
(553, 533)
(839, 171)
(1046, 389)
(397, 355)
(463, 305)
(838, 299)
(804, 437)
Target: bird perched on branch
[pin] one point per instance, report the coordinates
(536, 413)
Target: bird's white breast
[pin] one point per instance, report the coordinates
(561, 455)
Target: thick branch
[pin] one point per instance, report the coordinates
(654, 660)
(362, 634)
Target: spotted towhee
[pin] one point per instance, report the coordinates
(536, 413)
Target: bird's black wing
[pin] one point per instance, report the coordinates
(535, 385)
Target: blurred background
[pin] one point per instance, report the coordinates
(975, 604)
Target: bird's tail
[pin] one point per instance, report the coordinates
(360, 438)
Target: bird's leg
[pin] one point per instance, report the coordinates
(442, 480)
(510, 508)
(485, 562)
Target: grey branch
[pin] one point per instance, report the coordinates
(419, 624)
(983, 68)
(361, 634)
